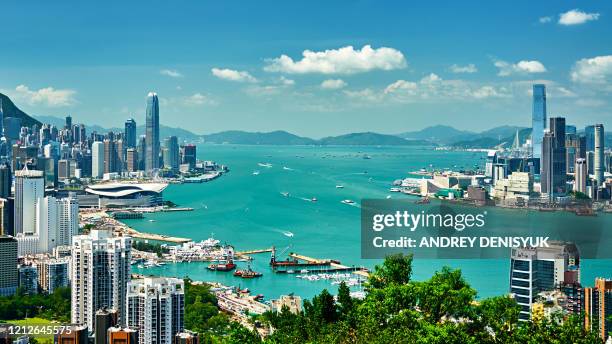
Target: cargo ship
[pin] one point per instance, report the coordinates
(227, 266)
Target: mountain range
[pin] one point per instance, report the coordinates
(444, 135)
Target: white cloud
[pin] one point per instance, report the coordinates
(233, 75)
(544, 20)
(401, 85)
(522, 67)
(595, 70)
(471, 68)
(345, 60)
(47, 96)
(333, 84)
(286, 82)
(197, 99)
(171, 73)
(576, 17)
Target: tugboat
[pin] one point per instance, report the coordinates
(247, 273)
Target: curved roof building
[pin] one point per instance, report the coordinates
(128, 194)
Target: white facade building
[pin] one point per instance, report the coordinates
(97, 159)
(100, 274)
(156, 309)
(29, 187)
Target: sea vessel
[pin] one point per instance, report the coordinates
(339, 186)
(284, 193)
(314, 199)
(247, 273)
(264, 164)
(255, 173)
(348, 201)
(288, 234)
(395, 190)
(227, 266)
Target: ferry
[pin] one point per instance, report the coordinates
(264, 164)
(348, 201)
(288, 234)
(314, 199)
(339, 186)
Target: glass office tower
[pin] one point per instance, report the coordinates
(152, 133)
(538, 118)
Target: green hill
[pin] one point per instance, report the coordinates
(10, 110)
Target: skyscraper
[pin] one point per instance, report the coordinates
(533, 270)
(581, 174)
(156, 307)
(598, 307)
(152, 133)
(130, 133)
(8, 265)
(100, 273)
(97, 159)
(171, 159)
(538, 119)
(110, 156)
(553, 167)
(29, 188)
(598, 159)
(589, 133)
(6, 180)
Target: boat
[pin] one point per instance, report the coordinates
(304, 271)
(339, 186)
(255, 173)
(290, 271)
(247, 273)
(287, 168)
(395, 190)
(264, 164)
(140, 266)
(228, 266)
(367, 157)
(348, 201)
(258, 297)
(388, 197)
(424, 200)
(314, 199)
(286, 194)
(288, 234)
(151, 220)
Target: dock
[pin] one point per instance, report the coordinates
(333, 265)
(156, 237)
(243, 253)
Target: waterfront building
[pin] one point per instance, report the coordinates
(100, 274)
(97, 159)
(188, 155)
(28, 279)
(538, 119)
(598, 159)
(130, 133)
(152, 133)
(53, 273)
(553, 168)
(581, 176)
(517, 185)
(125, 194)
(598, 307)
(534, 270)
(8, 265)
(156, 308)
(171, 153)
(29, 187)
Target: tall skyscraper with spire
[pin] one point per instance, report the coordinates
(152, 133)
(538, 119)
(598, 160)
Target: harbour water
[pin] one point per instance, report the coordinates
(253, 211)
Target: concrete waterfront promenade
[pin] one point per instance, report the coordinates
(102, 218)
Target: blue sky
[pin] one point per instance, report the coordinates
(381, 66)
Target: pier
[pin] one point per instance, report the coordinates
(323, 265)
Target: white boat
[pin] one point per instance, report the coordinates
(304, 271)
(288, 234)
(388, 196)
(255, 173)
(287, 168)
(264, 164)
(151, 220)
(348, 201)
(284, 193)
(339, 186)
(140, 266)
(395, 190)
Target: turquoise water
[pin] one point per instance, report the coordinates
(249, 212)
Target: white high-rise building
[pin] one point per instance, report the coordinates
(100, 274)
(57, 220)
(29, 187)
(581, 176)
(97, 159)
(598, 159)
(156, 309)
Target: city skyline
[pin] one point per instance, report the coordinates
(412, 69)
